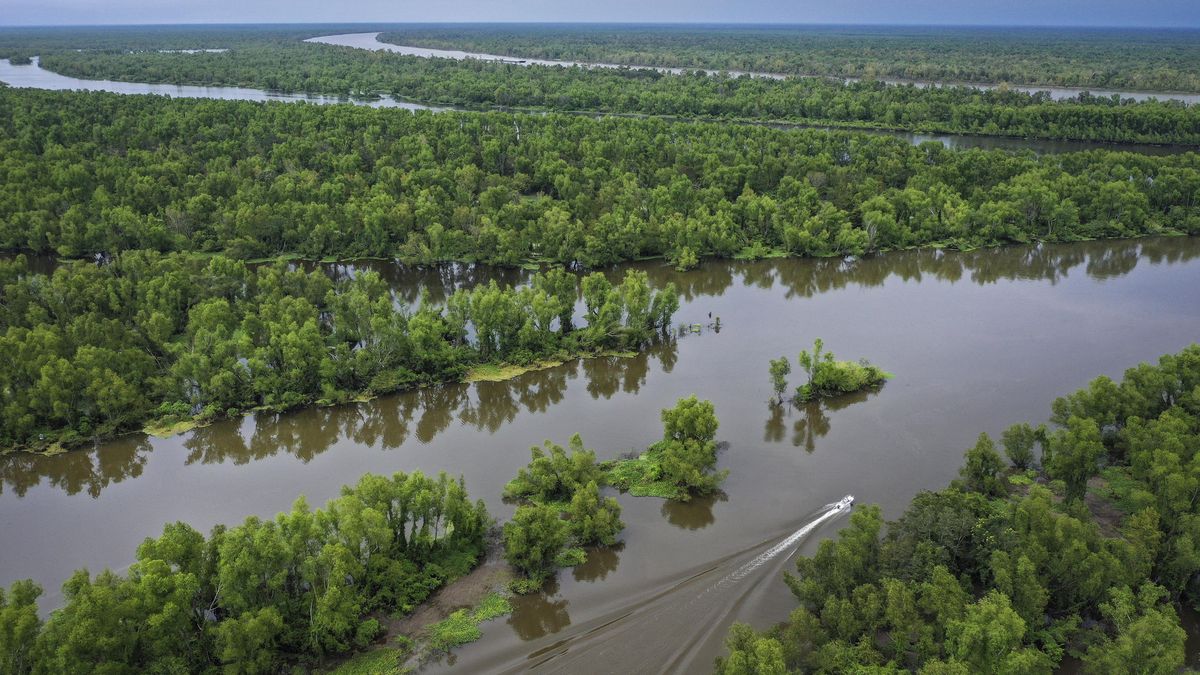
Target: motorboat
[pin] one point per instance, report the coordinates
(845, 502)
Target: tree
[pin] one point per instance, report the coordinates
(751, 654)
(982, 467)
(533, 538)
(989, 636)
(1018, 442)
(780, 368)
(19, 626)
(1148, 636)
(688, 453)
(594, 520)
(1075, 451)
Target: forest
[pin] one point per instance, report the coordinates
(290, 65)
(261, 597)
(1146, 59)
(97, 349)
(1082, 545)
(82, 174)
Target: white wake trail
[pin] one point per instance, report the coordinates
(789, 542)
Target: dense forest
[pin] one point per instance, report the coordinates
(96, 349)
(261, 597)
(1086, 554)
(1149, 60)
(290, 65)
(100, 173)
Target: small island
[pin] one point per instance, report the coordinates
(827, 377)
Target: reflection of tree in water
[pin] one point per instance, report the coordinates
(438, 407)
(543, 388)
(537, 615)
(304, 434)
(696, 514)
(812, 422)
(807, 277)
(496, 406)
(601, 561)
(78, 470)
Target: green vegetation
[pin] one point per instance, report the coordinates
(1002, 576)
(826, 376)
(276, 59)
(682, 464)
(86, 173)
(385, 661)
(264, 596)
(462, 626)
(1085, 57)
(100, 349)
(552, 486)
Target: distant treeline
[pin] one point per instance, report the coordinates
(93, 349)
(1145, 59)
(100, 173)
(290, 65)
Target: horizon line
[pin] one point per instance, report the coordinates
(604, 23)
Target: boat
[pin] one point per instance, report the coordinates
(845, 502)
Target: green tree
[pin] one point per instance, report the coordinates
(1075, 451)
(982, 468)
(1018, 441)
(1148, 636)
(594, 520)
(780, 368)
(19, 626)
(533, 538)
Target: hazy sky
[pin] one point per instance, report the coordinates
(1171, 13)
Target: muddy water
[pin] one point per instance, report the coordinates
(977, 341)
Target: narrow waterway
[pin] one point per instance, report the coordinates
(371, 41)
(977, 341)
(33, 76)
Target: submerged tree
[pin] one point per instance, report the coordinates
(779, 369)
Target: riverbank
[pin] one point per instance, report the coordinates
(168, 427)
(409, 641)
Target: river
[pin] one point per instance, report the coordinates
(33, 76)
(371, 41)
(977, 341)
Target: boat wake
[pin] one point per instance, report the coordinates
(680, 628)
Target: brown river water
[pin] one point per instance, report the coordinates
(976, 340)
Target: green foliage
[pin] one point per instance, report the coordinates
(780, 368)
(973, 579)
(594, 520)
(1148, 637)
(259, 597)
(276, 59)
(385, 661)
(462, 626)
(552, 475)
(19, 627)
(1019, 440)
(981, 471)
(570, 557)
(534, 538)
(1134, 59)
(506, 188)
(827, 377)
(174, 336)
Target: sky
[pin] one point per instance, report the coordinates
(1128, 13)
